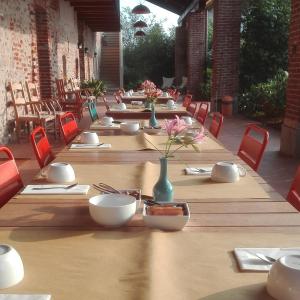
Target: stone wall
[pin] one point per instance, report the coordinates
(39, 42)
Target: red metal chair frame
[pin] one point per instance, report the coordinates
(187, 100)
(41, 146)
(202, 112)
(68, 126)
(294, 193)
(176, 96)
(10, 179)
(251, 150)
(216, 124)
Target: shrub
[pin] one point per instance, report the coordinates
(97, 87)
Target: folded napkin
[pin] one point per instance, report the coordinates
(204, 171)
(24, 297)
(89, 146)
(58, 189)
(248, 261)
(102, 126)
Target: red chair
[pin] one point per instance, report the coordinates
(68, 126)
(105, 103)
(10, 179)
(176, 96)
(294, 193)
(192, 108)
(187, 100)
(202, 112)
(216, 124)
(251, 149)
(41, 146)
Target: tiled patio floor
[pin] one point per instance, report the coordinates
(276, 169)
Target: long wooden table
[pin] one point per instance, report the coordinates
(69, 256)
(129, 99)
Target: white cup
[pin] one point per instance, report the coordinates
(170, 103)
(89, 138)
(60, 172)
(284, 278)
(122, 106)
(165, 94)
(227, 172)
(11, 267)
(188, 120)
(107, 121)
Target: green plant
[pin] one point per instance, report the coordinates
(205, 87)
(96, 87)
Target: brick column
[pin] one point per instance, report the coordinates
(196, 49)
(290, 132)
(81, 51)
(226, 48)
(180, 54)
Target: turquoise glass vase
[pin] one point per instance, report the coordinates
(153, 122)
(147, 104)
(163, 189)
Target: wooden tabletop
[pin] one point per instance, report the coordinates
(129, 99)
(68, 255)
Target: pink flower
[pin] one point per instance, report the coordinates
(174, 127)
(199, 137)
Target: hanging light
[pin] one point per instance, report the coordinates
(140, 10)
(140, 24)
(140, 33)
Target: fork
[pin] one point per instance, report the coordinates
(56, 187)
(102, 187)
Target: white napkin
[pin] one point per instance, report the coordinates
(24, 297)
(102, 126)
(202, 171)
(76, 190)
(248, 261)
(89, 146)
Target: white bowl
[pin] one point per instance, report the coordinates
(188, 120)
(11, 267)
(171, 223)
(112, 209)
(107, 121)
(130, 127)
(152, 130)
(284, 278)
(60, 172)
(89, 138)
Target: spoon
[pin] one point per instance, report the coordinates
(151, 202)
(266, 258)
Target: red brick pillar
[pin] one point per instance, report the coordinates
(180, 54)
(81, 51)
(226, 49)
(196, 49)
(290, 132)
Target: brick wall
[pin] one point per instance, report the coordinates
(35, 37)
(180, 54)
(196, 49)
(290, 134)
(226, 46)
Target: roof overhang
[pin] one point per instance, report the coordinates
(99, 15)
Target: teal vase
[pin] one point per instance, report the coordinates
(147, 104)
(153, 122)
(163, 190)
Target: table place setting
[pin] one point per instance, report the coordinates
(24, 297)
(89, 140)
(106, 123)
(56, 189)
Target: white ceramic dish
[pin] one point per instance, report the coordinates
(130, 127)
(170, 223)
(112, 210)
(11, 267)
(152, 130)
(284, 278)
(59, 172)
(89, 138)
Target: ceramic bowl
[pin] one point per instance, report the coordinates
(112, 209)
(60, 172)
(152, 130)
(89, 138)
(130, 127)
(107, 121)
(284, 278)
(188, 120)
(169, 223)
(227, 172)
(11, 267)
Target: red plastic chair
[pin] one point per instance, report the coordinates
(41, 146)
(176, 96)
(10, 179)
(251, 149)
(294, 193)
(202, 112)
(216, 124)
(187, 100)
(68, 126)
(192, 108)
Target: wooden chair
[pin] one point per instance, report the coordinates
(202, 112)
(216, 124)
(187, 100)
(294, 193)
(93, 111)
(85, 93)
(70, 100)
(251, 149)
(27, 112)
(41, 146)
(105, 103)
(10, 179)
(68, 126)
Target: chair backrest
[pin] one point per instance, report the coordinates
(10, 179)
(60, 85)
(202, 112)
(105, 103)
(252, 149)
(216, 124)
(117, 97)
(68, 126)
(74, 84)
(187, 100)
(192, 108)
(41, 146)
(294, 193)
(176, 96)
(93, 111)
(32, 91)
